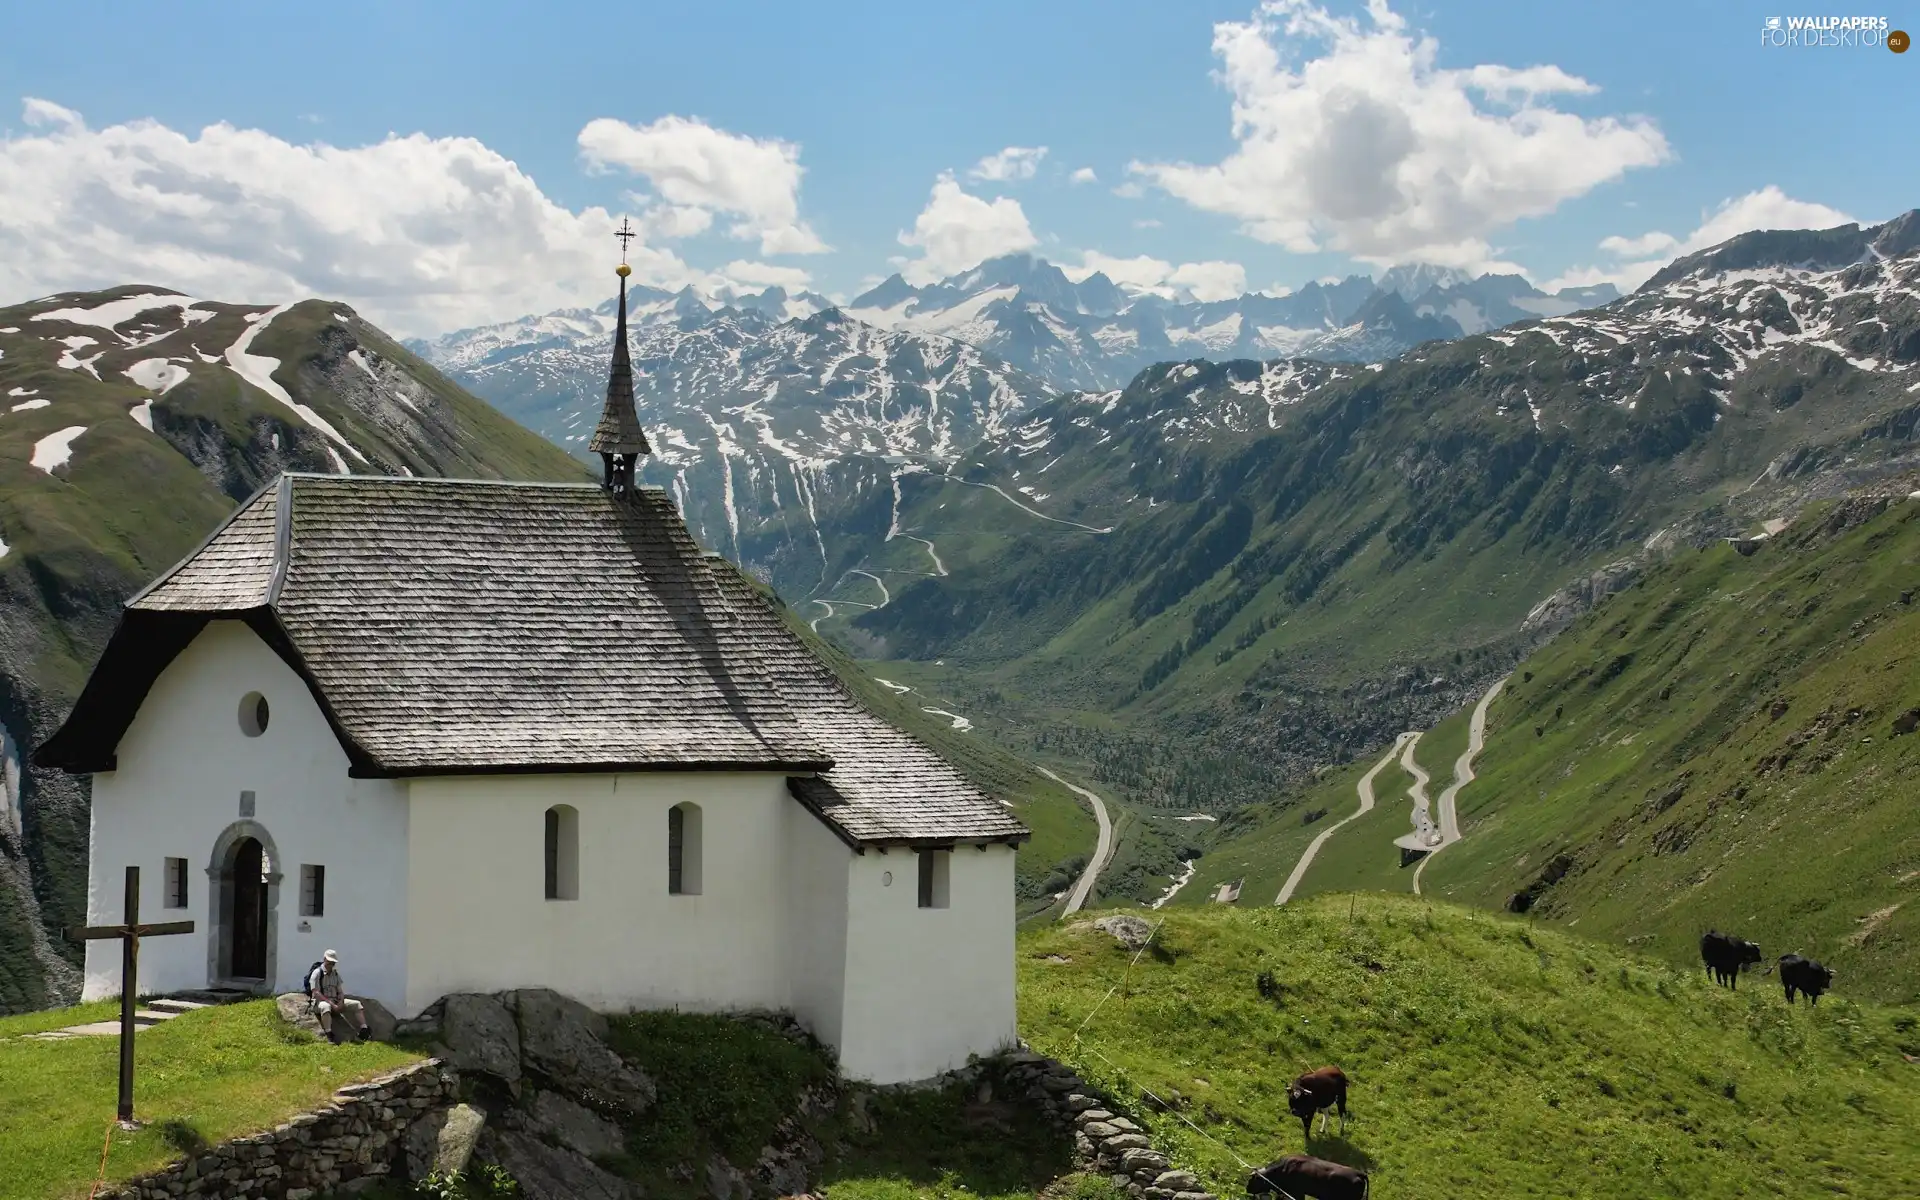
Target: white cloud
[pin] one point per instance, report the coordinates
(1083, 175)
(1638, 258)
(676, 220)
(742, 276)
(1372, 149)
(958, 230)
(1144, 275)
(1147, 223)
(421, 234)
(43, 114)
(690, 164)
(1010, 165)
(1129, 191)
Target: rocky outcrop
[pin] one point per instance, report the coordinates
(1105, 1139)
(565, 1041)
(364, 1135)
(547, 1172)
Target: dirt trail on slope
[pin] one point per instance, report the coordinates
(1462, 776)
(1102, 850)
(1401, 745)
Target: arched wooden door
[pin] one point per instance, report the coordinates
(248, 920)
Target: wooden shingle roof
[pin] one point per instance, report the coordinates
(459, 627)
(885, 787)
(466, 626)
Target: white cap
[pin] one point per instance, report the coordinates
(330, 956)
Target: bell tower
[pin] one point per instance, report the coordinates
(618, 439)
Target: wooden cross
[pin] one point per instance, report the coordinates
(129, 934)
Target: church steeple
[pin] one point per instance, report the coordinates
(618, 439)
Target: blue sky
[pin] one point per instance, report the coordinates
(873, 103)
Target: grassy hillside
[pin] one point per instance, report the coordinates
(1723, 745)
(201, 1078)
(1488, 1056)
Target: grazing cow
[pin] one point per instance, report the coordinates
(1804, 975)
(1302, 1176)
(1315, 1092)
(1725, 954)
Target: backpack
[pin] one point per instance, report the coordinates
(306, 981)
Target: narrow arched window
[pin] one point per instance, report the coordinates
(563, 853)
(683, 850)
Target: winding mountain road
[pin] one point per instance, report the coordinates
(1462, 776)
(1402, 745)
(1424, 836)
(1102, 850)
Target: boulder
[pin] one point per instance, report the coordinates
(1143, 1162)
(1131, 932)
(726, 1181)
(442, 1141)
(575, 1127)
(564, 1040)
(480, 1036)
(1178, 1181)
(297, 1012)
(550, 1173)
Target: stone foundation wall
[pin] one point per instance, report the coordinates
(1104, 1138)
(359, 1137)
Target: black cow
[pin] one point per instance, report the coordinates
(1804, 975)
(1302, 1176)
(1314, 1092)
(1725, 954)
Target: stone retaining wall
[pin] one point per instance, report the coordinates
(1104, 1138)
(359, 1137)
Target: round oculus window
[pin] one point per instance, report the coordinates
(886, 879)
(253, 714)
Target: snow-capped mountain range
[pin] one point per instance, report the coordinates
(758, 412)
(785, 427)
(1093, 334)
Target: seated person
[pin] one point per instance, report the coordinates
(329, 995)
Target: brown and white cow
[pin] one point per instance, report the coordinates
(1314, 1092)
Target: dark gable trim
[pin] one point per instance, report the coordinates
(142, 646)
(145, 644)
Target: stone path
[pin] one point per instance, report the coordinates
(144, 1016)
(1462, 776)
(1102, 850)
(1401, 745)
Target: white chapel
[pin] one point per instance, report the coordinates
(479, 735)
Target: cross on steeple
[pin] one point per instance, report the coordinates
(618, 439)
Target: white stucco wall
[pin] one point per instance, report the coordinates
(180, 770)
(818, 878)
(478, 919)
(926, 987)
